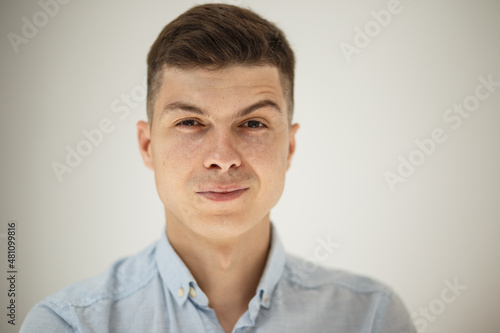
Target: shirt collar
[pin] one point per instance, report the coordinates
(273, 270)
(181, 283)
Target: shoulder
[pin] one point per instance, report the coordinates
(123, 279)
(308, 275)
(348, 295)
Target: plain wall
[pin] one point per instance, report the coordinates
(360, 116)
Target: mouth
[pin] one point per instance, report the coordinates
(222, 194)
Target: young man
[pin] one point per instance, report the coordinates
(219, 139)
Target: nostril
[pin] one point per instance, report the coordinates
(223, 166)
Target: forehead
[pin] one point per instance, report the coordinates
(230, 83)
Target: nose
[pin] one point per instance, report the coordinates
(222, 153)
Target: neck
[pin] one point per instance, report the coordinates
(227, 270)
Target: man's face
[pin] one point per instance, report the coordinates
(220, 146)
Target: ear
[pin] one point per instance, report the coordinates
(291, 143)
(144, 138)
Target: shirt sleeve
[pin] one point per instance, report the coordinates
(42, 319)
(394, 317)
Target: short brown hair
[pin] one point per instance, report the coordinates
(217, 36)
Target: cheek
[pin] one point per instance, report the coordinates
(267, 155)
(185, 147)
(175, 151)
(174, 158)
(256, 146)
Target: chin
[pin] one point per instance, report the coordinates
(222, 226)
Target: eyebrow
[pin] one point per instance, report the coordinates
(186, 107)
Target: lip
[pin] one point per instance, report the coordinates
(222, 193)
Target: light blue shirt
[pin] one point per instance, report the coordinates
(154, 291)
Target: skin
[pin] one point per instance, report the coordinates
(219, 171)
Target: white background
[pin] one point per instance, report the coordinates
(357, 118)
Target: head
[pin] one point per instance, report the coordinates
(219, 135)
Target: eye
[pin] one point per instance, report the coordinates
(254, 124)
(188, 123)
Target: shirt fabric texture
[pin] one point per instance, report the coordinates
(154, 291)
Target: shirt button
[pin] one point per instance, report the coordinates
(180, 292)
(192, 292)
(265, 297)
